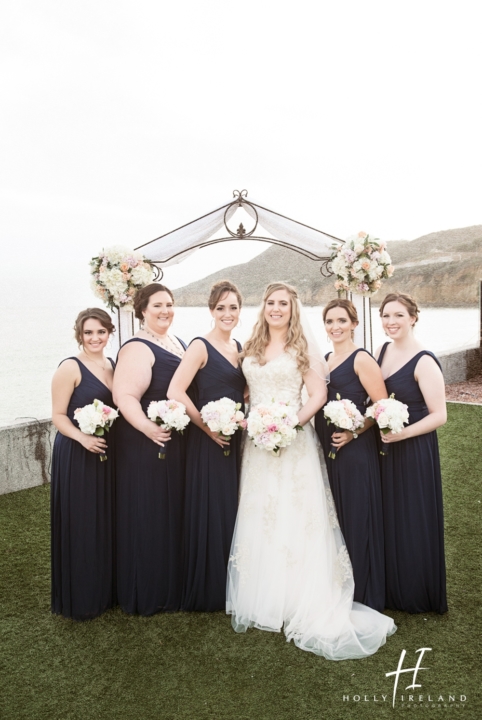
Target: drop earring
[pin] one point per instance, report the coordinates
(212, 323)
(328, 339)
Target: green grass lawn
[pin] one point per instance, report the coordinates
(193, 666)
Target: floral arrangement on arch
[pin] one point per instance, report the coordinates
(116, 275)
(361, 264)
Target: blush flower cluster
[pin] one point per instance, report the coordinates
(273, 426)
(344, 415)
(361, 264)
(95, 419)
(223, 416)
(116, 275)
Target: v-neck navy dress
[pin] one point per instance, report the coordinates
(354, 477)
(212, 484)
(412, 506)
(82, 514)
(149, 500)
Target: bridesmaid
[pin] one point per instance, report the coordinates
(150, 491)
(82, 488)
(411, 482)
(211, 364)
(355, 474)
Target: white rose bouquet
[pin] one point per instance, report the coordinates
(345, 416)
(169, 415)
(96, 419)
(116, 275)
(390, 415)
(223, 416)
(361, 264)
(273, 426)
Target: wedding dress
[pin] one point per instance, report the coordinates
(289, 567)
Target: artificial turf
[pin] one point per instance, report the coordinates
(193, 666)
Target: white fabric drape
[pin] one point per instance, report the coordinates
(183, 241)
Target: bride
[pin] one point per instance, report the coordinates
(289, 567)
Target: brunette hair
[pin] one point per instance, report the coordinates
(346, 305)
(295, 339)
(221, 288)
(407, 300)
(141, 298)
(95, 314)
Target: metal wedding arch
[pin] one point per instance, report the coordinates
(213, 227)
(174, 246)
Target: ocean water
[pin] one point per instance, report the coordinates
(37, 338)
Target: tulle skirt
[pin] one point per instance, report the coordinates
(289, 567)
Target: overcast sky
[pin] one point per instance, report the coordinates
(122, 120)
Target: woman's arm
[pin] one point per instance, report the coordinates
(194, 358)
(432, 386)
(370, 376)
(317, 394)
(64, 382)
(132, 377)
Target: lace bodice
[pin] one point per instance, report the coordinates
(279, 379)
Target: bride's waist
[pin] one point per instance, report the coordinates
(268, 399)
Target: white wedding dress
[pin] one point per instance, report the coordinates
(289, 567)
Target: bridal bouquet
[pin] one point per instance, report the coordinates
(116, 275)
(390, 415)
(361, 264)
(96, 419)
(273, 426)
(223, 416)
(169, 415)
(345, 416)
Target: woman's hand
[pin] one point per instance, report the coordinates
(392, 437)
(155, 433)
(93, 443)
(338, 439)
(216, 437)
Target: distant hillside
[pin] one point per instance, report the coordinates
(440, 269)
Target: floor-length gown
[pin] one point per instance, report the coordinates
(355, 483)
(212, 485)
(412, 506)
(289, 567)
(82, 514)
(150, 497)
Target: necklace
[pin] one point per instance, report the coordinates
(95, 362)
(172, 348)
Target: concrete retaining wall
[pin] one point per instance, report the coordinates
(26, 449)
(25, 452)
(460, 366)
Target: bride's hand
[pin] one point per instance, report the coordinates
(338, 439)
(216, 437)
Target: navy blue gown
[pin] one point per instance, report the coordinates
(355, 483)
(212, 483)
(82, 514)
(149, 500)
(412, 506)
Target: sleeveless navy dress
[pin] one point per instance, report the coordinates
(149, 500)
(355, 483)
(412, 506)
(212, 483)
(82, 514)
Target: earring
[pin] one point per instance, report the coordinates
(212, 322)
(328, 339)
(240, 324)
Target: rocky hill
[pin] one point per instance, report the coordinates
(442, 269)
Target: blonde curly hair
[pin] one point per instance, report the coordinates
(295, 339)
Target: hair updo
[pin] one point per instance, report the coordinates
(221, 288)
(406, 300)
(141, 298)
(346, 305)
(95, 314)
